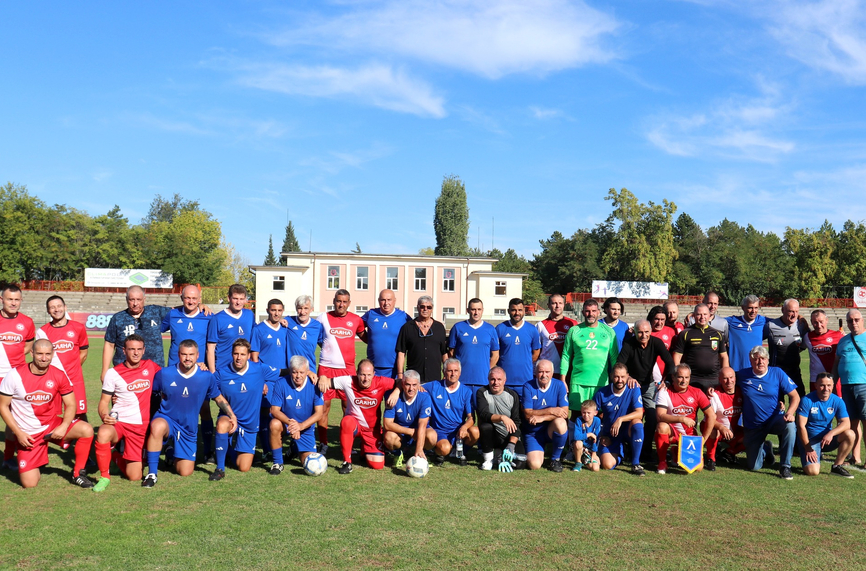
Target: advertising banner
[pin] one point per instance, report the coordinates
(634, 290)
(112, 277)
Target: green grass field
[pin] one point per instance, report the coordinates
(456, 518)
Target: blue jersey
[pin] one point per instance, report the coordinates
(271, 345)
(621, 329)
(472, 346)
(742, 338)
(515, 351)
(407, 414)
(612, 406)
(820, 414)
(148, 325)
(244, 390)
(224, 329)
(580, 431)
(182, 396)
(534, 398)
(382, 332)
(450, 409)
(761, 395)
(299, 404)
(183, 327)
(852, 369)
(303, 339)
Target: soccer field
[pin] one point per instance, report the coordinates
(456, 518)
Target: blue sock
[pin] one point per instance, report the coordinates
(153, 461)
(278, 454)
(636, 443)
(558, 444)
(207, 437)
(222, 448)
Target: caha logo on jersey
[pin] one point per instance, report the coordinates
(138, 386)
(39, 397)
(365, 402)
(342, 333)
(10, 338)
(63, 346)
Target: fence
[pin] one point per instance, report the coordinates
(577, 298)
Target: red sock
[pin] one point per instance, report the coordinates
(347, 436)
(712, 443)
(11, 449)
(103, 458)
(82, 451)
(663, 441)
(119, 460)
(322, 431)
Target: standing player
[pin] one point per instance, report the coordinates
(189, 321)
(519, 346)
(296, 406)
(613, 309)
(364, 395)
(821, 343)
(183, 390)
(744, 332)
(621, 411)
(269, 345)
(139, 319)
(304, 334)
(545, 414)
(382, 328)
(30, 398)
(131, 382)
(17, 333)
(702, 348)
(552, 332)
(476, 344)
(452, 414)
(785, 337)
(728, 406)
(70, 342)
(589, 352)
(672, 313)
(337, 360)
(406, 422)
(677, 413)
(242, 383)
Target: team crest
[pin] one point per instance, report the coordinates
(349, 323)
(50, 384)
(714, 344)
(70, 334)
(690, 400)
(592, 334)
(829, 410)
(20, 327)
(145, 372)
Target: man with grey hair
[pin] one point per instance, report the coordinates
(499, 420)
(744, 332)
(296, 407)
(305, 334)
(786, 337)
(406, 423)
(762, 386)
(850, 367)
(422, 344)
(451, 420)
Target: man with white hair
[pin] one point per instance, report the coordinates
(786, 338)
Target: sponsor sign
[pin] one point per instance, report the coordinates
(114, 277)
(92, 321)
(633, 290)
(860, 297)
(691, 453)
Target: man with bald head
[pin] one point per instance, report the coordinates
(821, 343)
(728, 406)
(850, 367)
(702, 348)
(381, 327)
(188, 321)
(786, 337)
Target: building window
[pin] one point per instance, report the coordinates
(500, 290)
(448, 279)
(499, 312)
(329, 308)
(420, 279)
(391, 281)
(362, 276)
(334, 277)
(446, 311)
(359, 309)
(279, 283)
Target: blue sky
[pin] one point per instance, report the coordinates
(348, 114)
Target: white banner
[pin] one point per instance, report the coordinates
(111, 277)
(860, 297)
(634, 290)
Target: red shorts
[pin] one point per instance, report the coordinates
(80, 398)
(37, 456)
(331, 394)
(134, 436)
(371, 442)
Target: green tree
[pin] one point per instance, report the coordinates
(690, 242)
(812, 259)
(115, 243)
(270, 259)
(165, 210)
(850, 257)
(21, 216)
(357, 249)
(451, 219)
(568, 264)
(290, 242)
(428, 251)
(188, 247)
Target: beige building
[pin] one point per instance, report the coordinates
(450, 280)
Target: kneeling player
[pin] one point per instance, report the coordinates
(677, 413)
(184, 389)
(499, 423)
(296, 407)
(621, 410)
(815, 428)
(242, 383)
(452, 414)
(30, 398)
(406, 422)
(131, 382)
(363, 395)
(728, 405)
(545, 413)
(586, 431)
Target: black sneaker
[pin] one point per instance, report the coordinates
(276, 470)
(555, 466)
(439, 461)
(149, 481)
(463, 461)
(82, 481)
(345, 468)
(210, 459)
(727, 457)
(785, 473)
(638, 470)
(710, 465)
(217, 475)
(840, 470)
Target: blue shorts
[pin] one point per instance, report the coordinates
(407, 442)
(535, 440)
(184, 442)
(615, 446)
(855, 401)
(307, 441)
(815, 443)
(245, 440)
(444, 434)
(590, 446)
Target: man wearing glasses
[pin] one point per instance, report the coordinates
(422, 344)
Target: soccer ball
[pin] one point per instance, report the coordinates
(315, 464)
(417, 467)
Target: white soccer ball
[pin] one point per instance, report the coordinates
(315, 464)
(417, 467)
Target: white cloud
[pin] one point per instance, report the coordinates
(338, 160)
(544, 112)
(102, 174)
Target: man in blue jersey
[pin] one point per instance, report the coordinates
(621, 410)
(545, 417)
(270, 345)
(296, 407)
(613, 309)
(382, 328)
(183, 389)
(230, 324)
(189, 321)
(475, 344)
(243, 383)
(744, 332)
(451, 420)
(406, 423)
(519, 345)
(815, 428)
(304, 334)
(762, 387)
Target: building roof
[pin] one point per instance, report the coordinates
(406, 256)
(491, 273)
(254, 268)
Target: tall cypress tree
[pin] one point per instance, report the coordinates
(451, 219)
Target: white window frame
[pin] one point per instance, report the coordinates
(359, 309)
(392, 282)
(500, 284)
(359, 285)
(420, 281)
(499, 313)
(279, 283)
(333, 281)
(449, 284)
